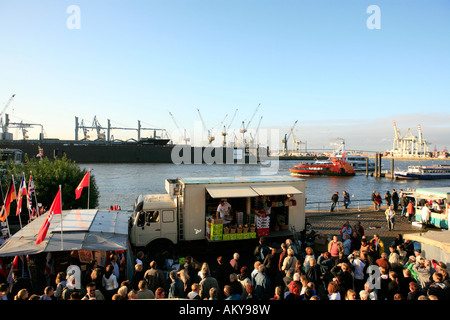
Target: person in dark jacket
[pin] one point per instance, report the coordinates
(176, 289)
(414, 292)
(271, 263)
(18, 284)
(395, 199)
(334, 201)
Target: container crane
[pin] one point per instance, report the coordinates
(225, 129)
(244, 128)
(286, 138)
(5, 125)
(211, 138)
(256, 131)
(85, 131)
(297, 143)
(185, 138)
(98, 127)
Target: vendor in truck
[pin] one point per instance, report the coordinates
(223, 211)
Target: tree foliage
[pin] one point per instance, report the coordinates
(48, 175)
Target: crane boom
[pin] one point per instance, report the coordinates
(7, 104)
(253, 115)
(5, 126)
(185, 138)
(210, 138)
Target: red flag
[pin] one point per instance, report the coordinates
(9, 198)
(84, 183)
(56, 208)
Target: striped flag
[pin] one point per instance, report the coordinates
(29, 193)
(11, 196)
(22, 192)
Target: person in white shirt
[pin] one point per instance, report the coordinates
(426, 212)
(223, 211)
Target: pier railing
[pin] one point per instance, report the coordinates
(324, 206)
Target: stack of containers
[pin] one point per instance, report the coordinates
(262, 226)
(216, 229)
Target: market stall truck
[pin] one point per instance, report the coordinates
(262, 206)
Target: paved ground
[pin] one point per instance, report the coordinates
(374, 222)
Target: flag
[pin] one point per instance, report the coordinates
(10, 197)
(20, 264)
(49, 268)
(22, 191)
(56, 208)
(29, 193)
(84, 183)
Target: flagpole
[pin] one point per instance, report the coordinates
(29, 213)
(60, 193)
(35, 197)
(89, 186)
(3, 211)
(3, 208)
(20, 220)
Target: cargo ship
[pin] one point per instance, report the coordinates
(105, 149)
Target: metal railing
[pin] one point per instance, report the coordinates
(326, 205)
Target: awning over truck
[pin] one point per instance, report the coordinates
(253, 191)
(275, 190)
(231, 192)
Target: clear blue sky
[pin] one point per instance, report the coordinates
(312, 61)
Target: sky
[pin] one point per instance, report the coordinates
(342, 69)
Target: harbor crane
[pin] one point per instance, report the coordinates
(297, 143)
(254, 139)
(186, 139)
(225, 129)
(5, 125)
(244, 128)
(211, 138)
(409, 145)
(85, 131)
(98, 127)
(286, 138)
(20, 125)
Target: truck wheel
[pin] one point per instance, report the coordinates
(159, 248)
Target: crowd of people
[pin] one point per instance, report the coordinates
(354, 267)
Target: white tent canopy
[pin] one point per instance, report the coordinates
(93, 230)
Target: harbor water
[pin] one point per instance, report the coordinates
(121, 184)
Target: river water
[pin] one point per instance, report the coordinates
(121, 184)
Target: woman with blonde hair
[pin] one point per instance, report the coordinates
(21, 295)
(309, 254)
(204, 270)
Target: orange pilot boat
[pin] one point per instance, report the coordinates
(332, 167)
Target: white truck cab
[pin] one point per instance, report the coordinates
(156, 218)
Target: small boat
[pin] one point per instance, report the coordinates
(332, 167)
(424, 172)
